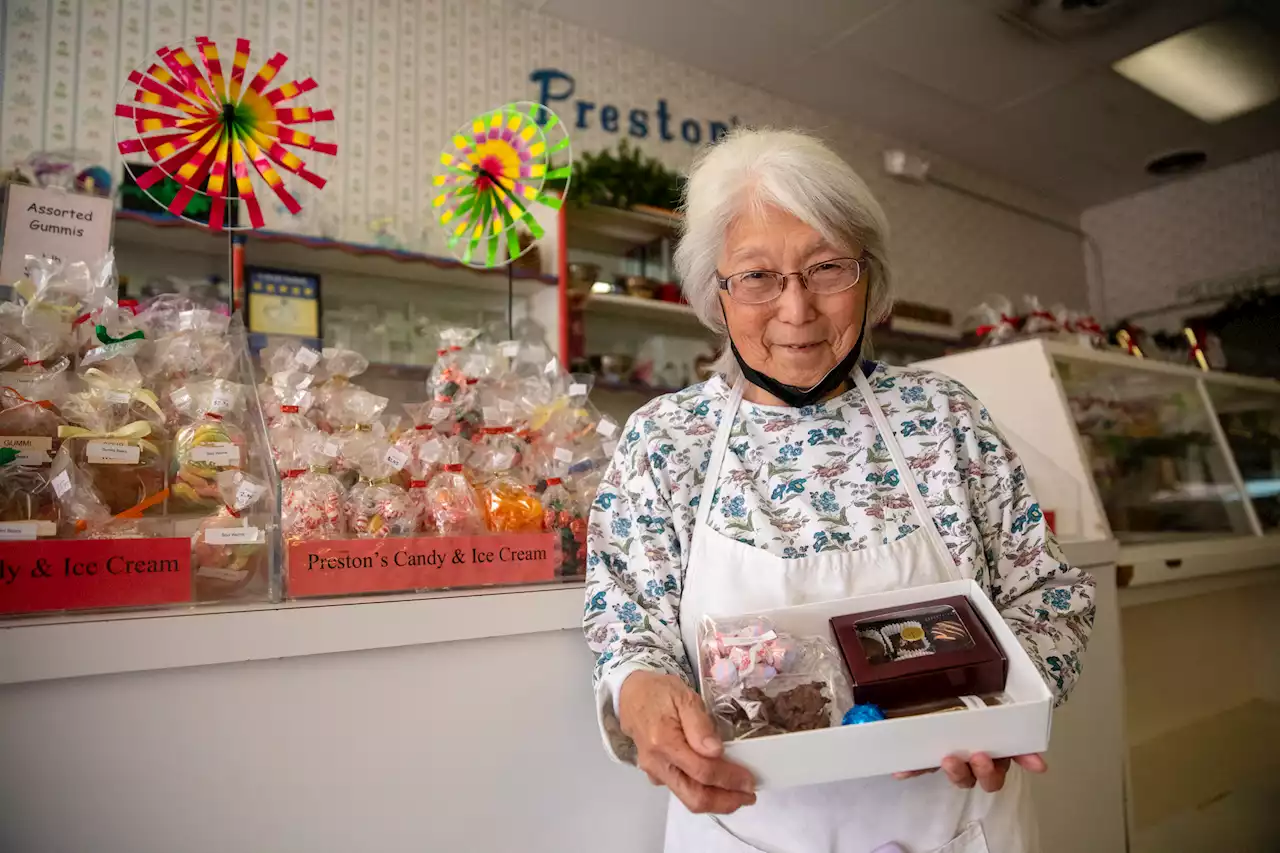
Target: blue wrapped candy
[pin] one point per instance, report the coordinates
(862, 714)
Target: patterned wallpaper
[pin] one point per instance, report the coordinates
(1199, 229)
(403, 74)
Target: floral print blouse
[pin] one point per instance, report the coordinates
(797, 482)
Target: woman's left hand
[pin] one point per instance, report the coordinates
(981, 769)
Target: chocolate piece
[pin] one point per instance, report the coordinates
(872, 646)
(907, 640)
(802, 708)
(949, 633)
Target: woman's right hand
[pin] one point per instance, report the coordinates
(677, 744)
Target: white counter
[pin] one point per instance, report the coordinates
(366, 724)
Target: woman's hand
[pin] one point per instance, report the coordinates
(981, 769)
(677, 744)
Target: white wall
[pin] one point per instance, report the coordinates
(403, 74)
(1202, 228)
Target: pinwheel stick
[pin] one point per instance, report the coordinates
(511, 282)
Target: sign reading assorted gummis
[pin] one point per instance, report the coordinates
(53, 224)
(342, 567)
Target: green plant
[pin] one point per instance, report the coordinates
(624, 179)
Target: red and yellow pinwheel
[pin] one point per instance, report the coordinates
(197, 124)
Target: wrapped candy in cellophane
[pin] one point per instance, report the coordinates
(423, 450)
(59, 292)
(497, 459)
(565, 515)
(995, 321)
(377, 505)
(38, 367)
(82, 512)
(452, 504)
(758, 681)
(287, 419)
(229, 550)
(355, 416)
(26, 494)
(337, 367)
(312, 500)
(210, 442)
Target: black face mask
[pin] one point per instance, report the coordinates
(797, 397)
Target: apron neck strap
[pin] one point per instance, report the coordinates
(718, 448)
(907, 478)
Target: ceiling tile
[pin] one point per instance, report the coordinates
(814, 21)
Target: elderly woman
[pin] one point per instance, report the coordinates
(805, 471)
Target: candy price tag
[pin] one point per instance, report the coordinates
(503, 459)
(331, 448)
(396, 458)
(61, 484)
(233, 535)
(221, 454)
(104, 452)
(11, 531)
(490, 414)
(577, 389)
(306, 358)
(509, 349)
(119, 398)
(247, 494)
(607, 428)
(438, 413)
(563, 454)
(221, 402)
(180, 397)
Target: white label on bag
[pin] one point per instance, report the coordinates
(332, 449)
(61, 484)
(76, 227)
(510, 349)
(11, 531)
(223, 454)
(119, 397)
(221, 402)
(229, 575)
(577, 389)
(306, 357)
(104, 452)
(396, 458)
(563, 454)
(233, 535)
(247, 494)
(607, 428)
(490, 414)
(32, 449)
(438, 413)
(180, 397)
(503, 459)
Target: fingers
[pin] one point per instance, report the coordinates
(1033, 763)
(703, 799)
(958, 772)
(699, 731)
(989, 773)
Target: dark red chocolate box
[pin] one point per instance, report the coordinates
(918, 653)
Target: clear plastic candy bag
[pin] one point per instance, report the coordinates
(452, 504)
(758, 681)
(227, 551)
(378, 506)
(312, 500)
(565, 515)
(210, 443)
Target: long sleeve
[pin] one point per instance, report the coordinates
(634, 573)
(1048, 604)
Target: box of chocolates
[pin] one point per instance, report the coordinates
(926, 652)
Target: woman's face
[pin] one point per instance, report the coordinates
(800, 336)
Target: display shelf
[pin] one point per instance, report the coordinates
(1185, 556)
(1156, 593)
(615, 231)
(313, 254)
(1190, 768)
(645, 310)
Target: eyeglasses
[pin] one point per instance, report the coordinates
(755, 287)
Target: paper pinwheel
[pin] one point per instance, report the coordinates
(198, 125)
(495, 171)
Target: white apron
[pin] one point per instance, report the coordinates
(926, 814)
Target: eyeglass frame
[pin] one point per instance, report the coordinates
(860, 263)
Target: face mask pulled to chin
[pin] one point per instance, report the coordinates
(797, 397)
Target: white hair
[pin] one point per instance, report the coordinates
(796, 173)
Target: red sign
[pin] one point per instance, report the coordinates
(346, 566)
(77, 574)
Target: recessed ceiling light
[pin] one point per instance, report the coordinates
(1215, 72)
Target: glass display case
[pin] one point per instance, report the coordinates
(1180, 466)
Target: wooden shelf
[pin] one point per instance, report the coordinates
(313, 254)
(615, 231)
(1192, 767)
(651, 310)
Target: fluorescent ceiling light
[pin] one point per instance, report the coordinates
(1215, 72)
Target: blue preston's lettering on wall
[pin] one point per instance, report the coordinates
(556, 87)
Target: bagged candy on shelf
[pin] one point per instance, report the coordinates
(1086, 329)
(1038, 321)
(338, 366)
(39, 373)
(228, 551)
(210, 443)
(995, 321)
(26, 496)
(30, 427)
(209, 352)
(758, 681)
(355, 415)
(453, 508)
(117, 430)
(311, 499)
(60, 291)
(509, 505)
(82, 512)
(378, 507)
(419, 443)
(288, 354)
(447, 374)
(287, 421)
(566, 516)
